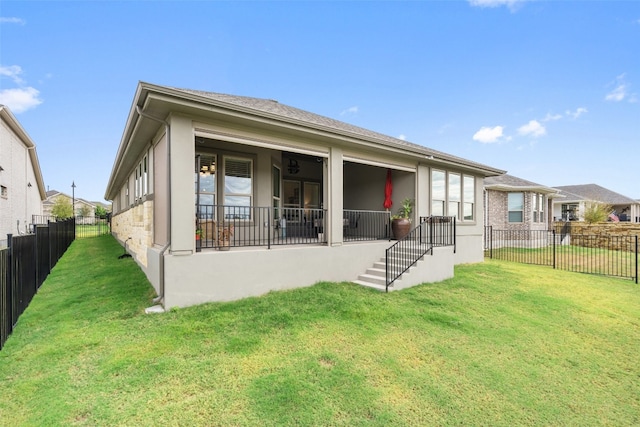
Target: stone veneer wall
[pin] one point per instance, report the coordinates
(607, 235)
(136, 223)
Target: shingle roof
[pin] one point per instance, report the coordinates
(507, 181)
(594, 192)
(292, 114)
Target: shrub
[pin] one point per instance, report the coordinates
(597, 212)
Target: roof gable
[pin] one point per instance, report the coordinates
(594, 192)
(508, 182)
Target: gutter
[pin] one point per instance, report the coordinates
(159, 300)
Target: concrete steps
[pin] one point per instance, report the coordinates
(375, 276)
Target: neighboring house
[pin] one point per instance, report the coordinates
(576, 198)
(513, 203)
(298, 197)
(105, 206)
(21, 185)
(81, 206)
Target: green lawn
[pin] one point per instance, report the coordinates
(501, 344)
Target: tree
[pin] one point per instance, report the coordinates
(101, 211)
(62, 208)
(84, 211)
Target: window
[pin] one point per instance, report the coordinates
(141, 177)
(516, 207)
(538, 207)
(145, 176)
(570, 212)
(454, 195)
(238, 188)
(205, 182)
(4, 193)
(469, 197)
(438, 193)
(276, 191)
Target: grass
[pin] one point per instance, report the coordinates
(92, 230)
(500, 344)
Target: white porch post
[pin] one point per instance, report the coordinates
(423, 193)
(336, 196)
(183, 209)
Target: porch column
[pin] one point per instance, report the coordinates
(423, 193)
(335, 194)
(182, 203)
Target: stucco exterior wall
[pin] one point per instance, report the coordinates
(226, 276)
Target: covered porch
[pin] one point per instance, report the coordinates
(286, 199)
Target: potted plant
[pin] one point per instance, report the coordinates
(401, 223)
(198, 239)
(224, 237)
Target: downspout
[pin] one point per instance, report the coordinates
(160, 298)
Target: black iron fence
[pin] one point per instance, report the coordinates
(224, 226)
(365, 225)
(433, 231)
(24, 266)
(558, 248)
(86, 226)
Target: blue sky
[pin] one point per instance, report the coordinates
(547, 90)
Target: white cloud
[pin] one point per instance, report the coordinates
(533, 129)
(13, 72)
(489, 135)
(552, 117)
(20, 99)
(575, 114)
(350, 110)
(402, 137)
(511, 4)
(620, 91)
(11, 20)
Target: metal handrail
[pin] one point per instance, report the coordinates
(433, 231)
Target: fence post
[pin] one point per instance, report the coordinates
(636, 259)
(491, 241)
(11, 291)
(554, 247)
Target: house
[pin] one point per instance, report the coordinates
(220, 197)
(83, 209)
(22, 188)
(576, 198)
(513, 203)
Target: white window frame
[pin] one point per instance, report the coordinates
(213, 193)
(455, 202)
(249, 195)
(510, 210)
(276, 196)
(466, 203)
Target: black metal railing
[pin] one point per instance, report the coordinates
(226, 226)
(431, 232)
(86, 226)
(24, 266)
(615, 256)
(360, 225)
